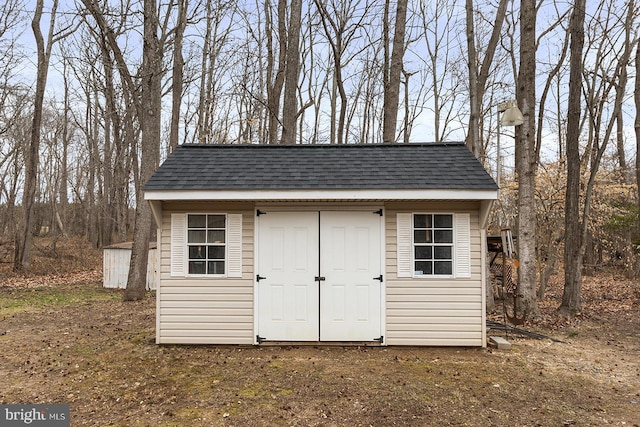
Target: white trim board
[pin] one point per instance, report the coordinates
(331, 194)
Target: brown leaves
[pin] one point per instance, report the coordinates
(52, 280)
(606, 297)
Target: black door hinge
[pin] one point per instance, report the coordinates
(259, 277)
(379, 212)
(380, 340)
(320, 279)
(379, 278)
(260, 339)
(259, 212)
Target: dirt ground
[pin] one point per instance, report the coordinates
(65, 339)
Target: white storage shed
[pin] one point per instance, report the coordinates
(116, 259)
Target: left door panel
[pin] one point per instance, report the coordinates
(287, 293)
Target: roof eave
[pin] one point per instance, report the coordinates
(323, 194)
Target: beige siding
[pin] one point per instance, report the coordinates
(434, 311)
(417, 311)
(203, 310)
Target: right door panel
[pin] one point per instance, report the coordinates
(350, 262)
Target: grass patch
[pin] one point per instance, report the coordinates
(13, 300)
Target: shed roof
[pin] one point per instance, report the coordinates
(437, 166)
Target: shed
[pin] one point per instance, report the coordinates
(378, 244)
(116, 259)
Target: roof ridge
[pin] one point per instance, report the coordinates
(288, 146)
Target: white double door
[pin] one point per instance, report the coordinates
(319, 276)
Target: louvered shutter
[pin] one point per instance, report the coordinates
(462, 245)
(234, 245)
(178, 244)
(404, 249)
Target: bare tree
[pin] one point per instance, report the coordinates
(610, 57)
(144, 106)
(438, 26)
(392, 82)
(216, 62)
(313, 80)
(291, 73)
(636, 123)
(177, 73)
(526, 163)
(151, 98)
(478, 77)
(630, 38)
(14, 105)
(15, 116)
(275, 71)
(573, 235)
(342, 22)
(22, 254)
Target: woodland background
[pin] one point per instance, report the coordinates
(94, 94)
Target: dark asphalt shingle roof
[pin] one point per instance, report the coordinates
(288, 167)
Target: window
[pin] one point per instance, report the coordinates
(433, 244)
(206, 244)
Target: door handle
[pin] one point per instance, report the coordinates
(379, 278)
(320, 279)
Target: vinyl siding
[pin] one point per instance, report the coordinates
(194, 310)
(434, 312)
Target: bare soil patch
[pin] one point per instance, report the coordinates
(65, 339)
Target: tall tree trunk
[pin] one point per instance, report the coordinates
(392, 88)
(386, 48)
(622, 157)
(111, 126)
(292, 73)
(526, 162)
(176, 76)
(636, 123)
(63, 186)
(340, 134)
(473, 138)
(203, 125)
(571, 302)
(636, 126)
(408, 124)
(150, 122)
(631, 37)
(22, 254)
(333, 106)
(275, 83)
(92, 140)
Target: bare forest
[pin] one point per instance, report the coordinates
(94, 94)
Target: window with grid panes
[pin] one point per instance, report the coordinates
(433, 244)
(206, 241)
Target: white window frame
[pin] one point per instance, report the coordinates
(187, 245)
(461, 246)
(179, 247)
(433, 245)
